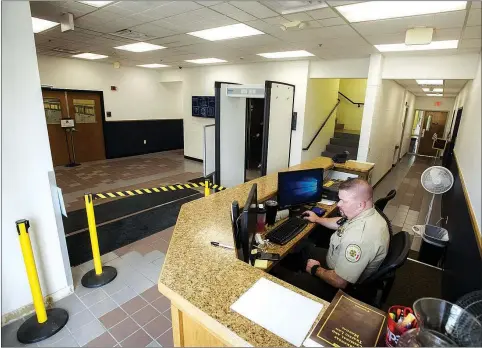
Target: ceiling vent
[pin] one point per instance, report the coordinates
(65, 50)
(134, 35)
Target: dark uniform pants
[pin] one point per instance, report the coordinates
(292, 269)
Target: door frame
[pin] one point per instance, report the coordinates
(423, 121)
(403, 132)
(102, 109)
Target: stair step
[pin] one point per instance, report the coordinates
(339, 149)
(347, 136)
(331, 155)
(344, 142)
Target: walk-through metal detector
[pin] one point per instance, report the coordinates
(230, 129)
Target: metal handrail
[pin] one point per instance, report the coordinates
(351, 101)
(323, 125)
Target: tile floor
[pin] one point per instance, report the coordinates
(130, 311)
(126, 173)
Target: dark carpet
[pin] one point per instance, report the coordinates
(77, 219)
(413, 281)
(124, 231)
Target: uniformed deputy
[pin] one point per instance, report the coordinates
(357, 248)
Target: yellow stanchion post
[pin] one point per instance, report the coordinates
(99, 275)
(43, 324)
(206, 188)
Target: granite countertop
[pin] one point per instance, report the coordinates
(362, 167)
(211, 279)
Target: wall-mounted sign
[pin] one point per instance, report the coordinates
(84, 111)
(53, 111)
(203, 106)
(67, 123)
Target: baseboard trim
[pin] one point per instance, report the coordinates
(29, 309)
(193, 158)
(383, 177)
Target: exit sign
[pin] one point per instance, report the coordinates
(438, 103)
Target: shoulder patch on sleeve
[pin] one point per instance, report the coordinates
(353, 253)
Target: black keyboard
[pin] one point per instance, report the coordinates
(288, 230)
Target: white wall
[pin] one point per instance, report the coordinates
(459, 102)
(26, 161)
(429, 103)
(340, 68)
(407, 131)
(468, 147)
(386, 128)
(139, 95)
(430, 67)
(200, 81)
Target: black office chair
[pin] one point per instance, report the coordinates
(375, 289)
(382, 202)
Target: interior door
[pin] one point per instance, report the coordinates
(433, 123)
(85, 108)
(55, 107)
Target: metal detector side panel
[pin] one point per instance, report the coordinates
(232, 138)
(278, 114)
(209, 150)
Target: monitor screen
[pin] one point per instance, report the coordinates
(248, 222)
(299, 187)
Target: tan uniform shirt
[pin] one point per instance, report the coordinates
(359, 246)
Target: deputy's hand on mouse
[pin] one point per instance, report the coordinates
(310, 264)
(310, 216)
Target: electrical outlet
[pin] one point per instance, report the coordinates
(145, 142)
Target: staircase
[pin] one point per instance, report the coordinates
(342, 141)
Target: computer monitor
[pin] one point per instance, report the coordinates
(299, 187)
(238, 245)
(248, 219)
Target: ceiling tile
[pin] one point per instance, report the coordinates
(178, 40)
(171, 9)
(329, 22)
(209, 3)
(254, 8)
(276, 20)
(339, 31)
(302, 16)
(153, 30)
(470, 43)
(103, 15)
(264, 27)
(472, 33)
(253, 41)
(385, 38)
(342, 2)
(322, 13)
(447, 34)
(117, 9)
(449, 19)
(476, 4)
(233, 12)
(139, 6)
(474, 17)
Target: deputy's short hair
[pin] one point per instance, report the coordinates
(358, 184)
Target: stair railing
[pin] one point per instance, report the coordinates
(351, 101)
(322, 125)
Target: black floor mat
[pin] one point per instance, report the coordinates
(413, 281)
(77, 219)
(125, 231)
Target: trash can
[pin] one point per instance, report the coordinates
(434, 242)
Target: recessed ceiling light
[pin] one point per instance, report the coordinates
(433, 89)
(206, 61)
(89, 56)
(286, 54)
(96, 3)
(376, 10)
(434, 45)
(227, 32)
(153, 65)
(39, 25)
(431, 82)
(140, 47)
(434, 94)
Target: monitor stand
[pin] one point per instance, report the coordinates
(296, 210)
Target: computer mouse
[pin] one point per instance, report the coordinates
(305, 214)
(318, 211)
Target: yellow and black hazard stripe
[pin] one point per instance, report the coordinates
(142, 191)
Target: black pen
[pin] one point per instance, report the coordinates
(217, 244)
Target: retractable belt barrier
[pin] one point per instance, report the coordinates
(99, 275)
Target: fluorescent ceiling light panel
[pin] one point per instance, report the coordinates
(376, 10)
(96, 3)
(140, 47)
(39, 25)
(206, 61)
(286, 54)
(154, 65)
(434, 45)
(431, 82)
(436, 90)
(227, 32)
(434, 94)
(89, 56)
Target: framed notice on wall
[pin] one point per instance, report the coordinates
(203, 106)
(84, 111)
(53, 111)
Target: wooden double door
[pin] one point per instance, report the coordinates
(88, 137)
